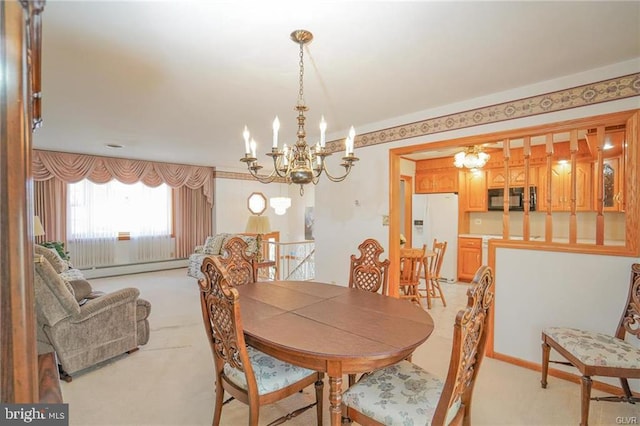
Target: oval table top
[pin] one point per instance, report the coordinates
(330, 328)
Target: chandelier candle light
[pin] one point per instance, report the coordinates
(299, 164)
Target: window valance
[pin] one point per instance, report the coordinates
(71, 168)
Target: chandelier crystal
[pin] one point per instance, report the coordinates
(299, 163)
(471, 158)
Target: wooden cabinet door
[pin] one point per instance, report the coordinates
(424, 183)
(612, 191)
(469, 257)
(431, 182)
(475, 193)
(496, 179)
(446, 181)
(561, 188)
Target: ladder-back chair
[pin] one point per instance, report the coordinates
(404, 393)
(247, 374)
(367, 271)
(411, 261)
(598, 354)
(432, 274)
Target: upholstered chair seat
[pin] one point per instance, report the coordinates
(593, 348)
(271, 373)
(389, 398)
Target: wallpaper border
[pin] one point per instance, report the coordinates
(575, 97)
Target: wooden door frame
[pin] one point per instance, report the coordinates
(408, 209)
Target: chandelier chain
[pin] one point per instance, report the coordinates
(301, 91)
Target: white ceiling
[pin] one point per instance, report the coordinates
(178, 80)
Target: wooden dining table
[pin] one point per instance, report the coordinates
(330, 328)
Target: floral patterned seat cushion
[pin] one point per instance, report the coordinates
(596, 349)
(401, 394)
(271, 373)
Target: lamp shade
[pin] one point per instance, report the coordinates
(38, 229)
(258, 225)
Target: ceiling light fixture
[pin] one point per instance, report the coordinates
(471, 158)
(299, 164)
(280, 204)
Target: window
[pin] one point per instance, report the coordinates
(97, 214)
(104, 210)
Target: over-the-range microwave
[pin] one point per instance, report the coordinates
(516, 199)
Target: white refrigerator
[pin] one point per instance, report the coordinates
(436, 216)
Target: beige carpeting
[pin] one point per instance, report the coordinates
(170, 381)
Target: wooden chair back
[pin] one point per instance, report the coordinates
(435, 262)
(220, 306)
(222, 322)
(241, 267)
(411, 262)
(367, 271)
(467, 352)
(630, 320)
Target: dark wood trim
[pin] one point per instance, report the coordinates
(49, 379)
(18, 356)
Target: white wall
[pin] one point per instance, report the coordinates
(556, 289)
(230, 211)
(341, 224)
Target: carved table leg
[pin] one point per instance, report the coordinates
(335, 400)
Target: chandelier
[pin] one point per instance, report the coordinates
(299, 163)
(471, 158)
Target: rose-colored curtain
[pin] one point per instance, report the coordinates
(71, 168)
(193, 190)
(50, 203)
(192, 220)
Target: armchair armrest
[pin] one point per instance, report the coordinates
(199, 249)
(104, 303)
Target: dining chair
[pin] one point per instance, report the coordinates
(599, 354)
(405, 393)
(367, 271)
(244, 372)
(432, 275)
(240, 265)
(411, 262)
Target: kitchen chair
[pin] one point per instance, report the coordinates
(432, 274)
(598, 354)
(247, 374)
(411, 261)
(404, 393)
(367, 271)
(241, 267)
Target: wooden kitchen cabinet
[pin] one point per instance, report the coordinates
(612, 185)
(474, 194)
(430, 182)
(496, 177)
(561, 187)
(469, 257)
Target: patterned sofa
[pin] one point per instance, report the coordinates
(213, 246)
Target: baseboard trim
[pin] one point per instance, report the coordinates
(134, 268)
(564, 375)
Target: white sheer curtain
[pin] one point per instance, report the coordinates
(91, 232)
(150, 212)
(98, 213)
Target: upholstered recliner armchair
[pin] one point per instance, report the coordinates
(83, 336)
